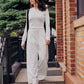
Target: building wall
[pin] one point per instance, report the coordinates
(68, 40)
(64, 33)
(79, 43)
(59, 30)
(71, 15)
(66, 13)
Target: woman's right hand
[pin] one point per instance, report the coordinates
(47, 42)
(23, 46)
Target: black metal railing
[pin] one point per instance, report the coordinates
(2, 44)
(8, 56)
(11, 52)
(12, 48)
(52, 48)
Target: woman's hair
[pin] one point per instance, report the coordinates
(41, 5)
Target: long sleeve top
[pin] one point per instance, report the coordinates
(36, 20)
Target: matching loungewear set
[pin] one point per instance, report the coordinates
(36, 45)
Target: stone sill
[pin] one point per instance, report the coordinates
(78, 22)
(74, 79)
(62, 66)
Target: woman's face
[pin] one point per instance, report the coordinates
(32, 2)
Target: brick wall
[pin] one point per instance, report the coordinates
(71, 15)
(70, 40)
(64, 33)
(59, 30)
(79, 42)
(66, 13)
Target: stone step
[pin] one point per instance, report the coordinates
(54, 76)
(19, 65)
(48, 80)
(54, 71)
(50, 64)
(53, 80)
(53, 64)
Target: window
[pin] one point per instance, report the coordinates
(80, 8)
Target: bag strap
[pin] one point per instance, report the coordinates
(45, 26)
(27, 20)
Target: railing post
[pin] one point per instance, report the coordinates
(7, 54)
(1, 66)
(21, 52)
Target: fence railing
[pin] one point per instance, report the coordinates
(8, 56)
(1, 59)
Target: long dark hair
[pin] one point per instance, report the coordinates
(41, 5)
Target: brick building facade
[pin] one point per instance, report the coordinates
(70, 41)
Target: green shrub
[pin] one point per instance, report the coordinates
(13, 34)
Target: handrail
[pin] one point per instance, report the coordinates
(2, 42)
(2, 50)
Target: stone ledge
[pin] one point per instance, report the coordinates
(78, 22)
(72, 79)
(62, 66)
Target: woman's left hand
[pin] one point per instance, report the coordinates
(47, 42)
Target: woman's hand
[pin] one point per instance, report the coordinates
(47, 42)
(23, 46)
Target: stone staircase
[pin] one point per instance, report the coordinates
(54, 76)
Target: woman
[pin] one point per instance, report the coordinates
(37, 42)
